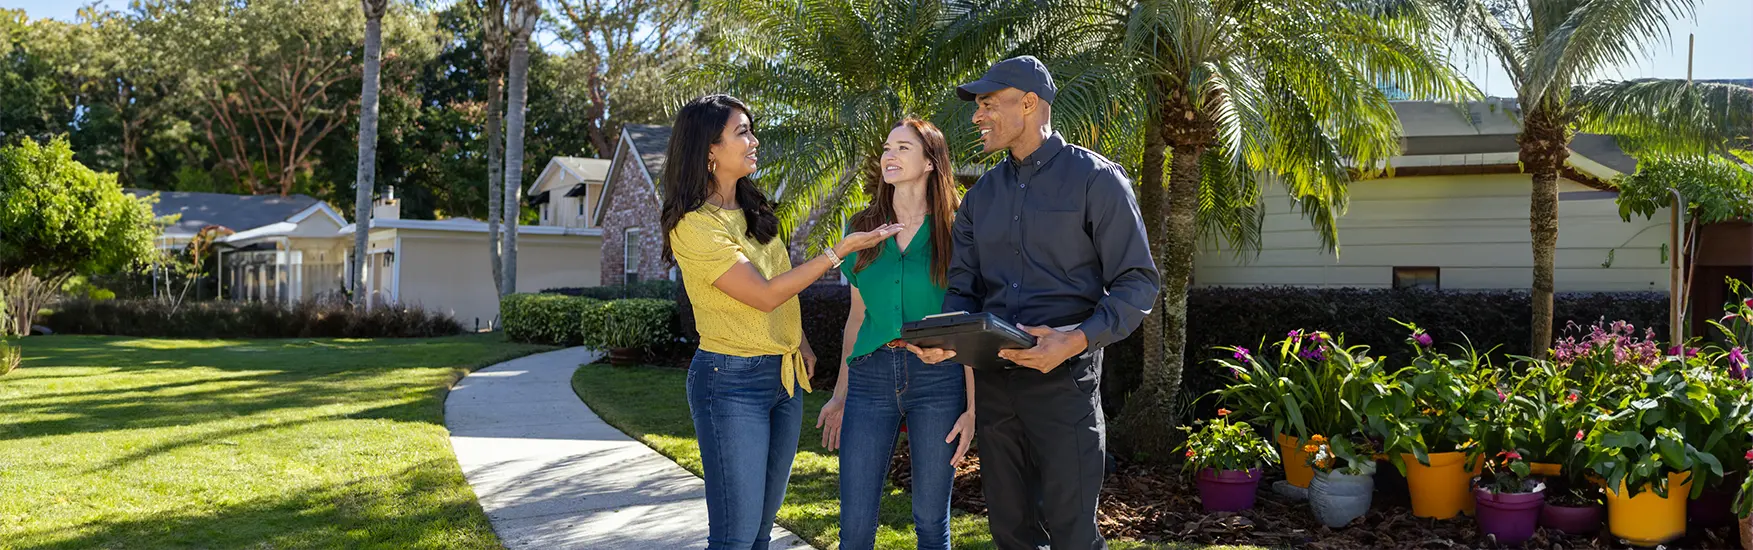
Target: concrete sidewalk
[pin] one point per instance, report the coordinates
(552, 475)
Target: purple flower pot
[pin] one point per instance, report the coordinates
(1714, 508)
(1510, 517)
(1573, 520)
(1228, 490)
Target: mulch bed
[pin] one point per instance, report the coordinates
(1157, 504)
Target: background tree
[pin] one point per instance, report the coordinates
(59, 218)
(523, 18)
(493, 17)
(362, 184)
(1549, 49)
(1237, 94)
(626, 54)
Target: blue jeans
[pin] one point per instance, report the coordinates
(884, 389)
(748, 429)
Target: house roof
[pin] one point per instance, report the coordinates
(236, 212)
(1484, 133)
(651, 144)
(583, 169)
(466, 225)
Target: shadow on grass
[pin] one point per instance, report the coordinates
(425, 506)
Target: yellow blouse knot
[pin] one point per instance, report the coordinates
(707, 243)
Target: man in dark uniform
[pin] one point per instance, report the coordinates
(1050, 239)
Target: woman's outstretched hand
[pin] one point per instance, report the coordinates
(866, 239)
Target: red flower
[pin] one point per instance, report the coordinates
(1579, 437)
(1190, 453)
(1750, 456)
(1572, 397)
(1223, 412)
(1512, 455)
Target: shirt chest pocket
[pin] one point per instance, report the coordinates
(1054, 214)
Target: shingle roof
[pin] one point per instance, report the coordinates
(653, 143)
(236, 212)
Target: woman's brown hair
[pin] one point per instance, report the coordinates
(941, 201)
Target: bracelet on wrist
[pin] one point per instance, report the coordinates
(833, 258)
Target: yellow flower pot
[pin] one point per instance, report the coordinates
(1649, 519)
(1443, 489)
(1543, 468)
(1296, 462)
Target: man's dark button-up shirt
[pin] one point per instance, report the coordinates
(1055, 239)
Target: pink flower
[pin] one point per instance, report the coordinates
(1241, 354)
(1501, 397)
(1750, 456)
(1579, 437)
(1422, 339)
(1738, 364)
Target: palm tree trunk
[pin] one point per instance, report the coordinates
(1543, 150)
(493, 46)
(1149, 421)
(524, 13)
(363, 178)
(1150, 203)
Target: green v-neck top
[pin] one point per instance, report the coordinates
(896, 288)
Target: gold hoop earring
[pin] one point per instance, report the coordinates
(711, 165)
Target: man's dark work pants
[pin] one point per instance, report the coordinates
(1041, 440)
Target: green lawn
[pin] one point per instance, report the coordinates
(651, 404)
(139, 443)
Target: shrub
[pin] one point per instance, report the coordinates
(637, 323)
(10, 357)
(551, 319)
(659, 290)
(825, 306)
(228, 319)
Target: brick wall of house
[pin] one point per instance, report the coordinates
(632, 204)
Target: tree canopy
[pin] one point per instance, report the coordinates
(58, 217)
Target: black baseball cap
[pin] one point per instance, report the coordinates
(1023, 73)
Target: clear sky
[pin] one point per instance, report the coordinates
(1724, 29)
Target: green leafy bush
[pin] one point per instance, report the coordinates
(660, 290)
(551, 319)
(638, 323)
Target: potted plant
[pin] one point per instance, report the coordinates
(1723, 436)
(1509, 497)
(1647, 465)
(1303, 386)
(1344, 482)
(1227, 457)
(1744, 507)
(1424, 414)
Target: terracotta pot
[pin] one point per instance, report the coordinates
(1746, 530)
(1296, 462)
(622, 357)
(1228, 490)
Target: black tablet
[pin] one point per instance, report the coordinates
(975, 337)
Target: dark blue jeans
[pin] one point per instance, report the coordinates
(748, 429)
(888, 387)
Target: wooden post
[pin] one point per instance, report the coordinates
(1676, 277)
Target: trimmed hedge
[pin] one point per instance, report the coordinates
(658, 290)
(550, 319)
(231, 319)
(636, 323)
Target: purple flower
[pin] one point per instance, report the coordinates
(1241, 354)
(1738, 364)
(1422, 339)
(1294, 334)
(1690, 352)
(1312, 354)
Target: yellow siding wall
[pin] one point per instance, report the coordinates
(1474, 227)
(448, 271)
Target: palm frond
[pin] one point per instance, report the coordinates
(1592, 36)
(1667, 115)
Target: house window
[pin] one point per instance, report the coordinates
(632, 252)
(1427, 278)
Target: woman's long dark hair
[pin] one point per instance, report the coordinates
(941, 201)
(687, 180)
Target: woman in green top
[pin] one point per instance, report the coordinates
(881, 385)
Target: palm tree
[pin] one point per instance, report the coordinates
(1549, 49)
(825, 118)
(493, 48)
(1238, 93)
(374, 10)
(524, 14)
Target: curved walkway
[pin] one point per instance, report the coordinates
(552, 475)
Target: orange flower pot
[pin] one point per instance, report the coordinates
(1649, 519)
(1443, 489)
(1543, 468)
(1296, 462)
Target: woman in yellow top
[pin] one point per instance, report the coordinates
(743, 383)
